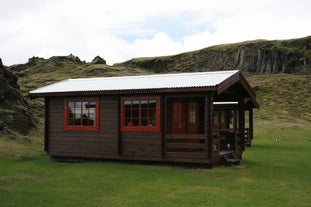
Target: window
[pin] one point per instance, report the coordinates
(192, 112)
(81, 114)
(140, 114)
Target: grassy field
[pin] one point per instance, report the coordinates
(271, 174)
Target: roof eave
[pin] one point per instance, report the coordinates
(121, 92)
(238, 78)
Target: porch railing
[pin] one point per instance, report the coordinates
(191, 146)
(185, 145)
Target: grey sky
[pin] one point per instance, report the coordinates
(121, 29)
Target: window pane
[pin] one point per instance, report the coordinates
(92, 116)
(135, 104)
(152, 122)
(77, 115)
(85, 113)
(92, 105)
(192, 113)
(152, 113)
(127, 114)
(143, 104)
(152, 104)
(92, 122)
(77, 110)
(70, 113)
(127, 104)
(144, 122)
(78, 105)
(135, 113)
(91, 111)
(144, 113)
(85, 122)
(135, 122)
(128, 122)
(77, 122)
(85, 105)
(70, 122)
(71, 105)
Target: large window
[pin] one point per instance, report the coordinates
(81, 114)
(140, 114)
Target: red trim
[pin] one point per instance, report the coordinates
(81, 127)
(125, 128)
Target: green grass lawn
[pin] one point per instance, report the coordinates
(271, 174)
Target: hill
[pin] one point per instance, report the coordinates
(259, 56)
(14, 110)
(282, 97)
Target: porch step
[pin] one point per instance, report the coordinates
(231, 159)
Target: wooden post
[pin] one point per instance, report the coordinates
(242, 121)
(251, 123)
(46, 124)
(164, 123)
(235, 119)
(119, 125)
(209, 123)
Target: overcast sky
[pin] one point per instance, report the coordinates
(119, 30)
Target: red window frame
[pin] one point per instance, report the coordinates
(81, 127)
(140, 117)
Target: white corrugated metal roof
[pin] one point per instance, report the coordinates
(163, 81)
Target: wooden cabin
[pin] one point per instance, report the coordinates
(186, 117)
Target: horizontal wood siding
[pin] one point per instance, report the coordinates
(95, 144)
(146, 145)
(185, 146)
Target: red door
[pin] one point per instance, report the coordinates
(177, 118)
(185, 117)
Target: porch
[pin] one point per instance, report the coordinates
(197, 148)
(197, 129)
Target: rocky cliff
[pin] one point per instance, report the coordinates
(260, 56)
(14, 110)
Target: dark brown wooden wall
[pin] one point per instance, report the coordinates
(141, 145)
(103, 143)
(109, 142)
(88, 144)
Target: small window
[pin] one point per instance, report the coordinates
(81, 114)
(140, 114)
